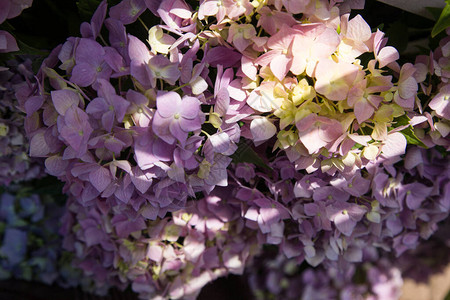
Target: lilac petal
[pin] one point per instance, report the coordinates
(160, 127)
(98, 18)
(168, 104)
(115, 145)
(220, 142)
(4, 9)
(7, 42)
(120, 106)
(93, 236)
(122, 164)
(144, 157)
(86, 30)
(138, 51)
(222, 102)
(149, 212)
(117, 35)
(108, 120)
(222, 56)
(97, 106)
(153, 5)
(83, 74)
(416, 194)
(17, 7)
(177, 132)
(189, 125)
(127, 11)
(140, 180)
(55, 165)
(77, 129)
(311, 209)
(190, 107)
(106, 89)
(33, 104)
(127, 226)
(162, 150)
(344, 224)
(136, 98)
(38, 145)
(100, 178)
(89, 51)
(63, 99)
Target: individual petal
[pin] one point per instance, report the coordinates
(168, 104)
(394, 145)
(38, 145)
(55, 165)
(4, 10)
(138, 51)
(343, 223)
(358, 29)
(63, 99)
(262, 130)
(408, 88)
(190, 107)
(178, 132)
(387, 55)
(141, 181)
(83, 74)
(280, 65)
(7, 42)
(363, 110)
(198, 85)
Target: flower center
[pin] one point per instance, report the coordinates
(176, 116)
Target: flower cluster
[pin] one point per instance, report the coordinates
(240, 124)
(379, 276)
(320, 218)
(171, 257)
(30, 243)
(15, 163)
(139, 144)
(281, 278)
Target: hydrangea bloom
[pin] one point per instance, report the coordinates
(170, 257)
(31, 248)
(238, 126)
(15, 163)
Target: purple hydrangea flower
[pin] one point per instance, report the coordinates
(175, 117)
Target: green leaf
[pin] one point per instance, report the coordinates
(435, 12)
(245, 154)
(443, 22)
(408, 132)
